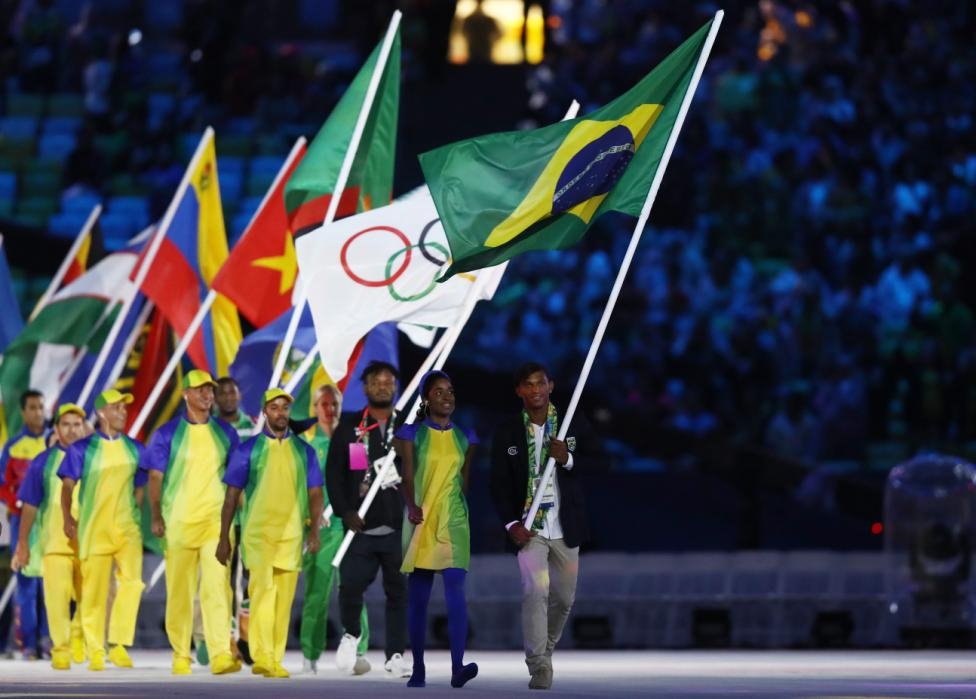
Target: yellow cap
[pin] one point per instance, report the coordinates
(66, 408)
(197, 378)
(273, 393)
(110, 397)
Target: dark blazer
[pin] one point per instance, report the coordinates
(509, 476)
(342, 484)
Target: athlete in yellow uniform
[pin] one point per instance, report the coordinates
(108, 527)
(282, 484)
(185, 460)
(44, 550)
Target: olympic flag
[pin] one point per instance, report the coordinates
(378, 266)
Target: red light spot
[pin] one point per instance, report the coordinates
(877, 528)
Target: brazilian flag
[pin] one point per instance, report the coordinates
(504, 194)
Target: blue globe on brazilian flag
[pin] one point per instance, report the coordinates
(504, 194)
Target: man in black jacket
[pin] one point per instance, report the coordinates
(360, 441)
(548, 550)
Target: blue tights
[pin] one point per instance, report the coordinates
(419, 584)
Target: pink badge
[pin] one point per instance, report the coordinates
(357, 457)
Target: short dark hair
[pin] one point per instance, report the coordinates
(224, 380)
(375, 367)
(27, 395)
(526, 370)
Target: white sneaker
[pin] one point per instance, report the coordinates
(346, 655)
(362, 665)
(309, 667)
(396, 666)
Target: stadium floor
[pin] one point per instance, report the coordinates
(577, 674)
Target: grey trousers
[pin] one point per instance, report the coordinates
(549, 569)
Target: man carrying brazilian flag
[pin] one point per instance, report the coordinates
(504, 194)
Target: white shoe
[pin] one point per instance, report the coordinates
(309, 667)
(396, 666)
(362, 665)
(346, 655)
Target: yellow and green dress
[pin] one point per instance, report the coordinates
(192, 458)
(53, 556)
(275, 475)
(444, 538)
(106, 472)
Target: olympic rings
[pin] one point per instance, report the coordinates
(393, 272)
(433, 280)
(422, 245)
(389, 278)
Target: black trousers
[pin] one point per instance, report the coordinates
(366, 555)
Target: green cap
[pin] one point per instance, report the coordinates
(110, 397)
(273, 393)
(197, 378)
(66, 408)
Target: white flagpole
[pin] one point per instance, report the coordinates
(130, 342)
(82, 353)
(296, 378)
(66, 263)
(567, 418)
(173, 362)
(208, 302)
(83, 350)
(144, 267)
(340, 185)
(126, 349)
(436, 360)
(448, 341)
(8, 592)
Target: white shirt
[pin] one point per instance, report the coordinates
(551, 528)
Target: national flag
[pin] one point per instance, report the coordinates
(11, 321)
(380, 345)
(504, 194)
(370, 183)
(193, 249)
(79, 316)
(378, 266)
(145, 364)
(259, 275)
(255, 360)
(91, 251)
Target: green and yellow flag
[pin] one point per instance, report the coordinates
(504, 194)
(370, 185)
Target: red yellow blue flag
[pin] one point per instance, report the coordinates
(193, 250)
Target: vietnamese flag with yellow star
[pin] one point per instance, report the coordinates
(259, 274)
(504, 194)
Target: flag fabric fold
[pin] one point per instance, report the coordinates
(259, 275)
(193, 250)
(370, 184)
(90, 253)
(503, 194)
(11, 321)
(144, 365)
(255, 361)
(80, 315)
(379, 266)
